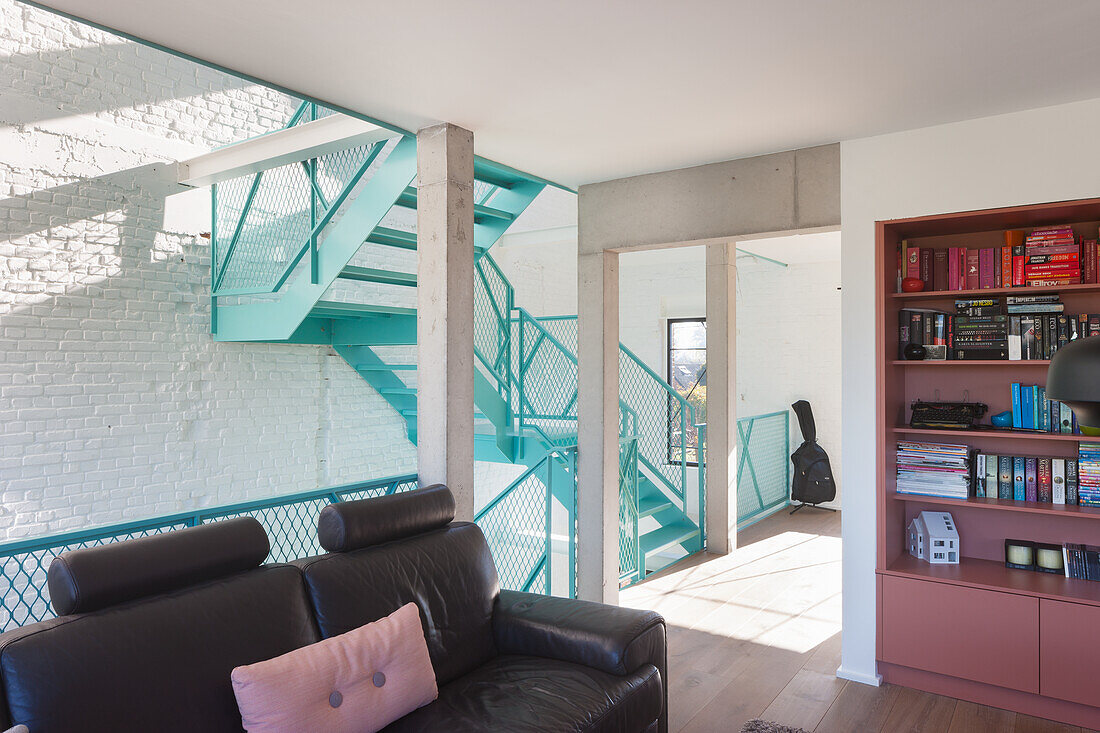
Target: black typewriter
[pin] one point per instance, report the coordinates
(947, 415)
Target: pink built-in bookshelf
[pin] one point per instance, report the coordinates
(979, 631)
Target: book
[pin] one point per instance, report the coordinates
(939, 269)
(1071, 481)
(1006, 267)
(912, 261)
(926, 267)
(1031, 479)
(1042, 414)
(1058, 480)
(972, 263)
(953, 268)
(1027, 408)
(992, 467)
(1018, 487)
(1017, 406)
(1004, 477)
(1045, 488)
(1018, 265)
(979, 475)
(1014, 345)
(934, 469)
(985, 268)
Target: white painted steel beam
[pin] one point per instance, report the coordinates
(301, 142)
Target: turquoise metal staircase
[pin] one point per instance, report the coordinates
(321, 252)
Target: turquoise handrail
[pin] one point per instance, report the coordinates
(290, 520)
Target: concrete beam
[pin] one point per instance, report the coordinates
(721, 454)
(445, 312)
(301, 142)
(598, 426)
(795, 190)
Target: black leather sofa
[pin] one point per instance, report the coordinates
(149, 630)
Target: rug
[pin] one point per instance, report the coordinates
(763, 726)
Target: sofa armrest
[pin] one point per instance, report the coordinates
(609, 638)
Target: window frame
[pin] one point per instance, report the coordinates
(669, 323)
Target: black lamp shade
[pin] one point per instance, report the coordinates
(1074, 378)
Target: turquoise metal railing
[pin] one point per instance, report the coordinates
(655, 408)
(630, 546)
(531, 527)
(494, 300)
(763, 465)
(290, 522)
(266, 223)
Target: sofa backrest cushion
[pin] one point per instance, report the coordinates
(97, 577)
(353, 525)
(155, 664)
(448, 573)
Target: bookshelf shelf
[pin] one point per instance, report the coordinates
(1015, 602)
(1028, 507)
(999, 434)
(995, 292)
(990, 575)
(951, 364)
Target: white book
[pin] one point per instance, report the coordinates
(979, 476)
(1058, 480)
(1015, 348)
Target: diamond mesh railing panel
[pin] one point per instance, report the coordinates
(24, 597)
(492, 308)
(547, 375)
(514, 525)
(629, 552)
(290, 521)
(763, 464)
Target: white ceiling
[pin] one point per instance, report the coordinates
(579, 91)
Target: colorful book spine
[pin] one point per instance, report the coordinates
(979, 475)
(912, 261)
(1006, 267)
(1017, 406)
(1027, 410)
(1019, 490)
(1044, 486)
(1018, 265)
(953, 268)
(1004, 477)
(1031, 479)
(972, 269)
(1071, 481)
(986, 268)
(1058, 480)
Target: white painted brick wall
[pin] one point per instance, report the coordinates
(115, 403)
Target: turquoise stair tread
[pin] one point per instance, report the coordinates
(651, 504)
(398, 390)
(407, 199)
(385, 367)
(335, 309)
(385, 277)
(665, 537)
(393, 238)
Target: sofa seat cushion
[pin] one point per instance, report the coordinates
(528, 694)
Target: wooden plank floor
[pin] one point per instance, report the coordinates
(756, 634)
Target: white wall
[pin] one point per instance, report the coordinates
(1048, 154)
(115, 403)
(788, 319)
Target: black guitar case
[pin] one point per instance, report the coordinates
(813, 476)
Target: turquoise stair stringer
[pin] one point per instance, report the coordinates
(278, 320)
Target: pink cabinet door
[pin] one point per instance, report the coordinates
(978, 635)
(1069, 652)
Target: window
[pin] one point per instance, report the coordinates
(687, 375)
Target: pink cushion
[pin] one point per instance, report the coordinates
(358, 682)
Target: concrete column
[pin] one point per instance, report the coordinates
(445, 312)
(721, 456)
(598, 426)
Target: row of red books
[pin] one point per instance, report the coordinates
(1049, 256)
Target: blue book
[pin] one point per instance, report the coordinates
(1004, 477)
(1017, 406)
(1018, 488)
(1026, 408)
(1044, 409)
(1036, 406)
